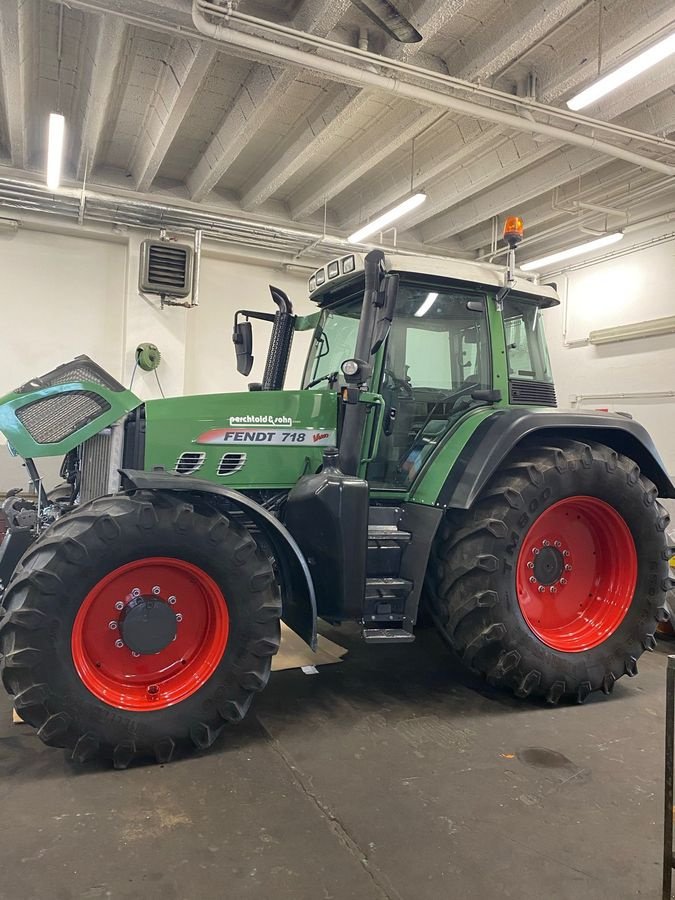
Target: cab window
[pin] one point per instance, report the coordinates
(437, 357)
(525, 342)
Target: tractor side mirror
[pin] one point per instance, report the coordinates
(243, 344)
(387, 305)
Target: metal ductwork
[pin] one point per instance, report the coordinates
(390, 19)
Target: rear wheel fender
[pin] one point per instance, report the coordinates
(508, 429)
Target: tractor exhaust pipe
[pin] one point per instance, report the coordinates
(279, 351)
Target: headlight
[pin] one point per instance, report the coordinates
(350, 367)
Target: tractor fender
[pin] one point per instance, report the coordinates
(298, 597)
(499, 434)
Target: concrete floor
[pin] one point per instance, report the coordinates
(389, 776)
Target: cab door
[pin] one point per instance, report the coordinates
(437, 355)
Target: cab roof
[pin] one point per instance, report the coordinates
(340, 272)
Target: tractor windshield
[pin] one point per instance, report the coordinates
(334, 342)
(437, 355)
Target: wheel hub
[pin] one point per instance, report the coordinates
(150, 633)
(147, 625)
(549, 566)
(576, 573)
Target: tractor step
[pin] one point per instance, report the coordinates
(386, 544)
(385, 588)
(387, 636)
(384, 515)
(385, 601)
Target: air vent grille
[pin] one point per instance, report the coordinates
(166, 268)
(188, 462)
(231, 463)
(53, 419)
(532, 393)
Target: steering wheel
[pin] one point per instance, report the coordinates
(402, 385)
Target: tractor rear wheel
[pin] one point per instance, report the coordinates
(139, 625)
(554, 582)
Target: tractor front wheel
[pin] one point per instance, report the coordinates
(138, 625)
(554, 582)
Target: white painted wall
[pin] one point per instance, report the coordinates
(64, 294)
(632, 287)
(225, 287)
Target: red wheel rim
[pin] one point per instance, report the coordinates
(148, 681)
(576, 574)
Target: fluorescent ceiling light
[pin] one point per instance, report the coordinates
(579, 250)
(55, 150)
(615, 79)
(651, 328)
(387, 218)
(428, 303)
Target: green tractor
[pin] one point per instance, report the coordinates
(422, 468)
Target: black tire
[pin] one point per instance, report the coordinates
(62, 491)
(471, 585)
(57, 573)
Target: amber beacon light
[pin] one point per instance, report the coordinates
(513, 230)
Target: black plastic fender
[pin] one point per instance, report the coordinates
(298, 597)
(498, 435)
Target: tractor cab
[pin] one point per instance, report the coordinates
(450, 347)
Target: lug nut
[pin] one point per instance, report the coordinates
(556, 543)
(119, 605)
(536, 551)
(136, 593)
(119, 644)
(541, 588)
(533, 580)
(568, 568)
(530, 565)
(546, 543)
(563, 581)
(566, 552)
(153, 689)
(553, 589)
(172, 600)
(179, 617)
(112, 625)
(133, 653)
(156, 590)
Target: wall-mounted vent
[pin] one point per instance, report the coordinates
(166, 269)
(189, 462)
(231, 463)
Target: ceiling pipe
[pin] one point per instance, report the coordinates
(342, 71)
(121, 210)
(446, 81)
(345, 51)
(648, 191)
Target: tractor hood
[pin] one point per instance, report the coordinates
(256, 439)
(53, 413)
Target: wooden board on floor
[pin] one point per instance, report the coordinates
(295, 654)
